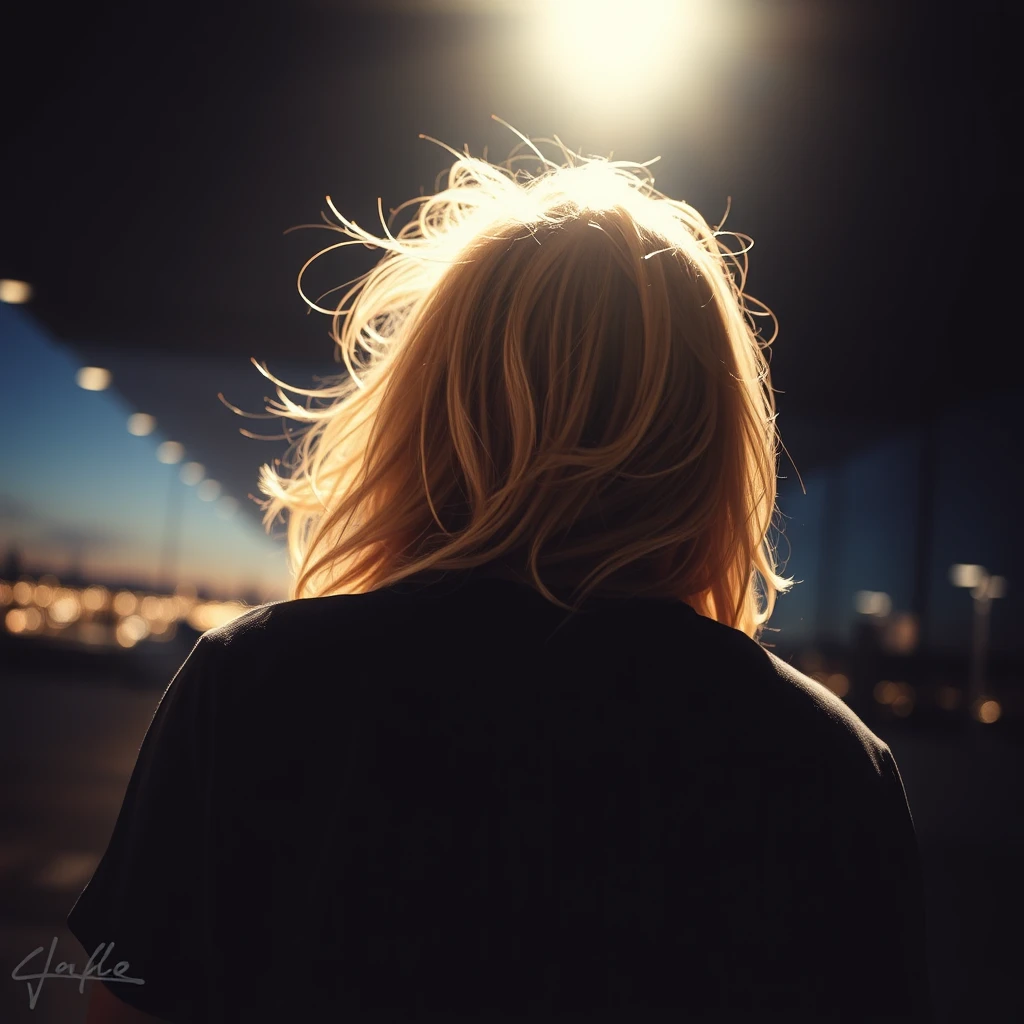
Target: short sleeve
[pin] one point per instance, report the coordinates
(902, 878)
(151, 893)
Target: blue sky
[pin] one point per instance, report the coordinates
(73, 478)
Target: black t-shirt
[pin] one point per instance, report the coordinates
(450, 800)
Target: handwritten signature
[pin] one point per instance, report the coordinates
(93, 970)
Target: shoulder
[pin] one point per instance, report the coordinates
(257, 629)
(791, 712)
(298, 639)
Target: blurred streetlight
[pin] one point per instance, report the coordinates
(141, 424)
(14, 292)
(872, 602)
(93, 378)
(170, 452)
(984, 589)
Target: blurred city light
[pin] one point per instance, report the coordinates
(65, 608)
(140, 424)
(901, 634)
(948, 698)
(991, 587)
(984, 588)
(988, 711)
(14, 620)
(23, 620)
(886, 692)
(82, 615)
(872, 602)
(838, 683)
(208, 490)
(211, 614)
(966, 575)
(93, 378)
(899, 697)
(14, 292)
(95, 598)
(191, 473)
(170, 452)
(903, 704)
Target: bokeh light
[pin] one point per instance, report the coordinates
(141, 424)
(93, 378)
(988, 711)
(170, 452)
(14, 292)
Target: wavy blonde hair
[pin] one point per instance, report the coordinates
(556, 374)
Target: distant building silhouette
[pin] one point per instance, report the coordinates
(12, 565)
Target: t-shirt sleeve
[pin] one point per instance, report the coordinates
(902, 878)
(151, 895)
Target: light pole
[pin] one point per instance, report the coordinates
(984, 589)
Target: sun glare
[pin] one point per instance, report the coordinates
(609, 49)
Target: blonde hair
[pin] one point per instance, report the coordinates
(554, 373)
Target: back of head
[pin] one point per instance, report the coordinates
(556, 374)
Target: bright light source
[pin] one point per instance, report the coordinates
(227, 507)
(15, 292)
(208, 490)
(65, 608)
(170, 452)
(610, 52)
(872, 602)
(140, 424)
(93, 378)
(125, 602)
(191, 473)
(966, 575)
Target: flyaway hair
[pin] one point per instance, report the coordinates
(556, 373)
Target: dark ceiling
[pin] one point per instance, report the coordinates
(150, 168)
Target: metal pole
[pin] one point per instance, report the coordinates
(925, 528)
(979, 644)
(172, 530)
